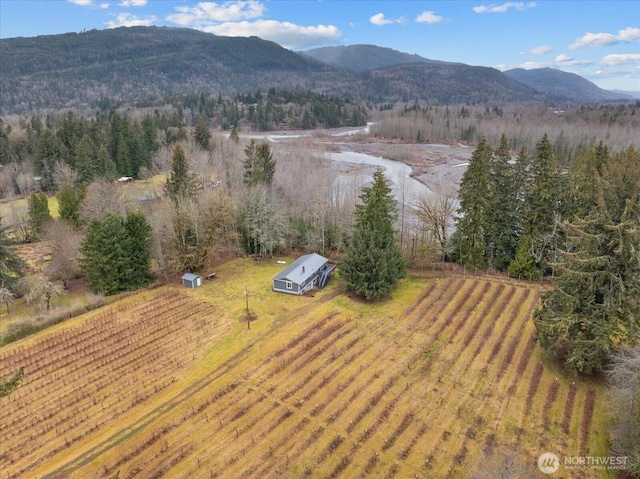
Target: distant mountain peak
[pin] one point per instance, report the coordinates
(558, 83)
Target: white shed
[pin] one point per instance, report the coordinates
(191, 280)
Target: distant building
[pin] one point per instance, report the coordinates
(303, 274)
(125, 179)
(191, 280)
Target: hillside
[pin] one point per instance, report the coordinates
(363, 58)
(91, 69)
(446, 84)
(75, 70)
(561, 84)
(125, 64)
(441, 380)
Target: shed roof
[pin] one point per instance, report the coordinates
(190, 276)
(302, 268)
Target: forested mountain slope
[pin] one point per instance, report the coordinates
(75, 70)
(82, 70)
(562, 84)
(365, 57)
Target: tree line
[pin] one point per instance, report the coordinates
(569, 130)
(577, 225)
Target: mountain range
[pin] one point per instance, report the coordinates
(80, 70)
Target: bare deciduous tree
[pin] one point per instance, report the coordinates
(64, 264)
(64, 174)
(104, 197)
(6, 296)
(624, 398)
(435, 213)
(43, 292)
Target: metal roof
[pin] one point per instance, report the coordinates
(302, 268)
(190, 276)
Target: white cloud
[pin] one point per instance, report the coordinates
(288, 35)
(379, 19)
(133, 3)
(104, 6)
(563, 58)
(626, 35)
(82, 3)
(503, 8)
(207, 13)
(128, 20)
(620, 58)
(429, 17)
(540, 50)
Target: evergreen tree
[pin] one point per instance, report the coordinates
(201, 134)
(11, 265)
(544, 202)
(593, 307)
(180, 182)
(585, 166)
(114, 255)
(69, 201)
(259, 164)
(85, 159)
(150, 134)
(106, 167)
(504, 219)
(38, 214)
(374, 262)
(138, 232)
(473, 223)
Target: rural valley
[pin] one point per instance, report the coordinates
(474, 313)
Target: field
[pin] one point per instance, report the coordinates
(172, 383)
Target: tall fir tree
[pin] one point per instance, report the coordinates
(374, 261)
(137, 249)
(38, 214)
(11, 265)
(180, 183)
(69, 201)
(504, 219)
(542, 210)
(259, 164)
(201, 134)
(593, 307)
(474, 196)
(85, 159)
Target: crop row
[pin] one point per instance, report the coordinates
(85, 378)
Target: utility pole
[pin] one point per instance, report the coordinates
(246, 297)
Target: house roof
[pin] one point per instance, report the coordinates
(302, 268)
(190, 276)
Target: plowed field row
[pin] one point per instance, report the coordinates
(358, 391)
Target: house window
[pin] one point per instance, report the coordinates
(289, 285)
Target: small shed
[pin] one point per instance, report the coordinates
(191, 280)
(303, 274)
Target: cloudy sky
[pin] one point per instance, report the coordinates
(599, 40)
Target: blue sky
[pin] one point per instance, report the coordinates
(599, 40)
